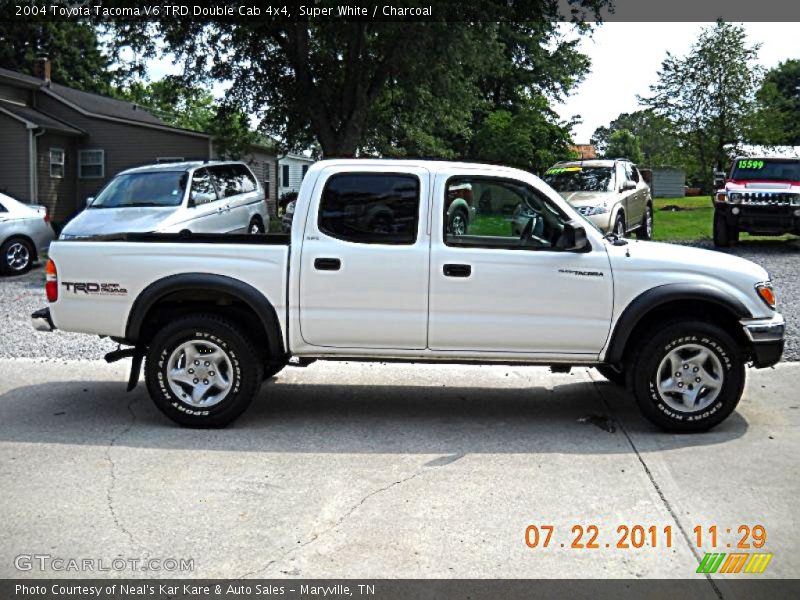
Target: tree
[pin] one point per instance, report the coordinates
(532, 139)
(654, 133)
(623, 144)
(188, 107)
(709, 95)
(779, 106)
(383, 86)
(73, 49)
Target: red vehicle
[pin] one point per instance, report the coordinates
(761, 196)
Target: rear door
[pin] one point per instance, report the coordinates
(228, 183)
(364, 260)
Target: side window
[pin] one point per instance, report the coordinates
(631, 173)
(622, 176)
(202, 191)
(498, 213)
(367, 208)
(285, 176)
(226, 180)
(246, 181)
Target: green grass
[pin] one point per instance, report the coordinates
(694, 222)
(491, 225)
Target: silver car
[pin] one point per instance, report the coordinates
(195, 197)
(25, 233)
(610, 193)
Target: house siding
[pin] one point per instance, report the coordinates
(667, 183)
(125, 146)
(57, 194)
(15, 153)
(295, 165)
(263, 166)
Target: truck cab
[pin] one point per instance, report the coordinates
(760, 196)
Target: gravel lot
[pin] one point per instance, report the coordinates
(20, 296)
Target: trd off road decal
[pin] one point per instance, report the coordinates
(93, 287)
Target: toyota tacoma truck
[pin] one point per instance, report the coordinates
(761, 196)
(213, 316)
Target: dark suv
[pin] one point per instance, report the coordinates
(761, 196)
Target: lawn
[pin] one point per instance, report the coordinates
(692, 221)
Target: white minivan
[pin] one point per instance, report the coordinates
(196, 197)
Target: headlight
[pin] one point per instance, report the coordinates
(735, 198)
(766, 293)
(590, 211)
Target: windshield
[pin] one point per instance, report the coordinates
(580, 179)
(143, 189)
(762, 168)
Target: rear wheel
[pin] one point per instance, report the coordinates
(16, 256)
(687, 376)
(256, 226)
(645, 231)
(202, 371)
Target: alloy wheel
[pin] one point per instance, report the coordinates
(200, 373)
(690, 378)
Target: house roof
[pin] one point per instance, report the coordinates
(37, 119)
(94, 105)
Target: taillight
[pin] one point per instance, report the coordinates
(46, 216)
(51, 282)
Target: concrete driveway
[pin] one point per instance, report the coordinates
(359, 470)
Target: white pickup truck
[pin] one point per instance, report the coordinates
(372, 271)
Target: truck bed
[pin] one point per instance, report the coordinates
(113, 270)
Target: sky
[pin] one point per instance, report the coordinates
(626, 58)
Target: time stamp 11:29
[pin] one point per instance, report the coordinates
(740, 537)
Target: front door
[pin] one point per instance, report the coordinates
(505, 287)
(364, 261)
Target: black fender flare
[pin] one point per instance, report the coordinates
(651, 299)
(242, 291)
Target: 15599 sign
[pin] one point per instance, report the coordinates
(643, 536)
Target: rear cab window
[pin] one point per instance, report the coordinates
(370, 208)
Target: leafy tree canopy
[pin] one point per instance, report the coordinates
(387, 87)
(708, 95)
(654, 133)
(623, 144)
(779, 106)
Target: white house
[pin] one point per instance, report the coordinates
(291, 170)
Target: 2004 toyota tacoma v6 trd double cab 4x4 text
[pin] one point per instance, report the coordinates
(372, 271)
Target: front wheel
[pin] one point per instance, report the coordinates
(458, 223)
(202, 371)
(619, 225)
(687, 376)
(724, 235)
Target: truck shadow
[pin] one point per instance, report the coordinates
(576, 418)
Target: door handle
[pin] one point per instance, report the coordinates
(457, 270)
(327, 264)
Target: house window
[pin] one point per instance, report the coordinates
(285, 176)
(170, 159)
(305, 170)
(91, 164)
(265, 178)
(56, 163)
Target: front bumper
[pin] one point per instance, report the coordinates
(760, 219)
(767, 338)
(41, 320)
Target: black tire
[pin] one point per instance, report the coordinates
(16, 256)
(619, 224)
(646, 369)
(256, 226)
(458, 223)
(244, 370)
(645, 231)
(613, 374)
(724, 235)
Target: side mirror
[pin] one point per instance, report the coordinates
(192, 202)
(89, 200)
(573, 238)
(719, 180)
